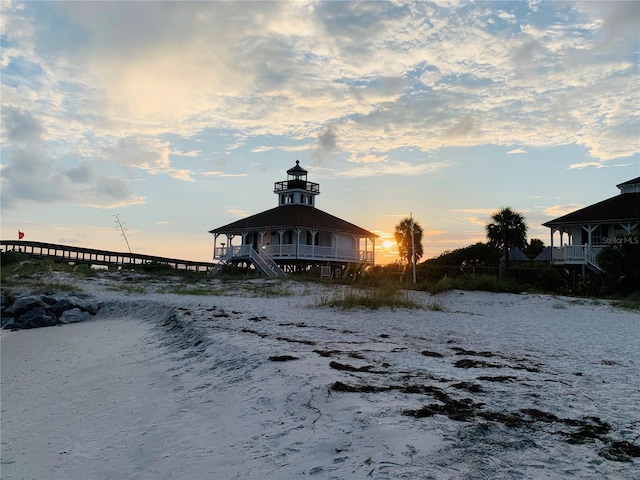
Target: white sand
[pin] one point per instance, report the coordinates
(163, 386)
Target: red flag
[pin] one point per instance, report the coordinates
(20, 235)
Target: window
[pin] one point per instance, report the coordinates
(598, 233)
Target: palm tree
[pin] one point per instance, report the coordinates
(507, 230)
(535, 247)
(403, 240)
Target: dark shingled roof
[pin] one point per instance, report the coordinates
(516, 255)
(291, 216)
(297, 169)
(629, 182)
(621, 208)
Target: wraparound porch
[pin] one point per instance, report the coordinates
(285, 253)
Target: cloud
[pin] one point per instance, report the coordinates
(263, 148)
(21, 127)
(106, 84)
(33, 173)
(581, 165)
(327, 143)
(482, 211)
(148, 154)
(393, 168)
(367, 158)
(463, 127)
(82, 173)
(517, 151)
(222, 174)
(27, 173)
(560, 210)
(237, 212)
(190, 153)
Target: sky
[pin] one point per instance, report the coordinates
(179, 117)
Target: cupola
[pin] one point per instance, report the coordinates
(296, 190)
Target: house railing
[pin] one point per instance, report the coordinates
(296, 252)
(266, 264)
(577, 254)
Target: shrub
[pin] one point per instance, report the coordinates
(486, 283)
(620, 263)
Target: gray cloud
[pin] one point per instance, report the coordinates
(21, 126)
(31, 173)
(327, 143)
(80, 174)
(27, 173)
(113, 187)
(28, 176)
(621, 18)
(524, 54)
(463, 127)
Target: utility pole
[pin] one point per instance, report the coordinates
(413, 249)
(122, 231)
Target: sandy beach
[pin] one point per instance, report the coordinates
(255, 381)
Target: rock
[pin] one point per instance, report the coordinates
(23, 304)
(32, 311)
(35, 318)
(74, 315)
(88, 305)
(48, 299)
(61, 306)
(8, 322)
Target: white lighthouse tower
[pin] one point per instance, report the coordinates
(296, 190)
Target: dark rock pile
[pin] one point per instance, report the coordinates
(45, 310)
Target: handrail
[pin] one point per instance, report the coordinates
(266, 264)
(592, 256)
(579, 254)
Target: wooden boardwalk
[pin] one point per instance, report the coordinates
(90, 256)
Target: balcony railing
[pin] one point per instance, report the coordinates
(300, 184)
(576, 254)
(296, 252)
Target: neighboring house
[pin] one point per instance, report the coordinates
(295, 235)
(516, 257)
(585, 232)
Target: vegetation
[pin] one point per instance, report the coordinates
(408, 236)
(479, 257)
(630, 302)
(534, 248)
(621, 264)
(388, 295)
(507, 230)
(23, 269)
(469, 268)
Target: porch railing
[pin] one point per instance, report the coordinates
(297, 252)
(577, 254)
(266, 264)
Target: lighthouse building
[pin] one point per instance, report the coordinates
(295, 235)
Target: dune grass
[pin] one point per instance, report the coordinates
(387, 295)
(19, 269)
